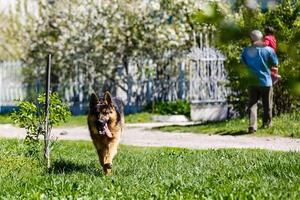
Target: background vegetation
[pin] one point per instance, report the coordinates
(234, 31)
(97, 40)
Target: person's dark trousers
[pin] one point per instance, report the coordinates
(255, 93)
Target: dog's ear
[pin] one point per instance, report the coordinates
(93, 100)
(107, 98)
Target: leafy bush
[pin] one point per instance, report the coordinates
(179, 107)
(32, 118)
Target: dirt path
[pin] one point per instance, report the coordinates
(141, 135)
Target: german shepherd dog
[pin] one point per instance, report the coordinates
(106, 121)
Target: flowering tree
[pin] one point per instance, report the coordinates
(97, 37)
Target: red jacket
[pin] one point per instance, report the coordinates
(270, 41)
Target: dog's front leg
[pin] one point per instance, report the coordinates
(101, 156)
(111, 152)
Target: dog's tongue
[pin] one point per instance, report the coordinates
(107, 131)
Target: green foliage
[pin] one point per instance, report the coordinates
(178, 107)
(32, 118)
(150, 173)
(211, 14)
(286, 125)
(28, 117)
(58, 110)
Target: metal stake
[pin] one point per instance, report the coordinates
(47, 103)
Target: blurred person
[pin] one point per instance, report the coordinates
(259, 59)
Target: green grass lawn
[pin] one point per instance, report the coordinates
(285, 125)
(81, 120)
(4, 119)
(149, 173)
(142, 117)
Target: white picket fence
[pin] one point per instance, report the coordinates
(11, 83)
(141, 90)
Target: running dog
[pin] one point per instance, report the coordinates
(105, 122)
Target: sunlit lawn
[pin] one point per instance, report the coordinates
(4, 119)
(81, 120)
(149, 173)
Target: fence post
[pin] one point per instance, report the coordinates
(47, 103)
(181, 84)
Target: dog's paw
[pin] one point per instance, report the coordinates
(107, 168)
(108, 172)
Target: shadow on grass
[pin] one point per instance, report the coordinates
(66, 166)
(234, 133)
(215, 123)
